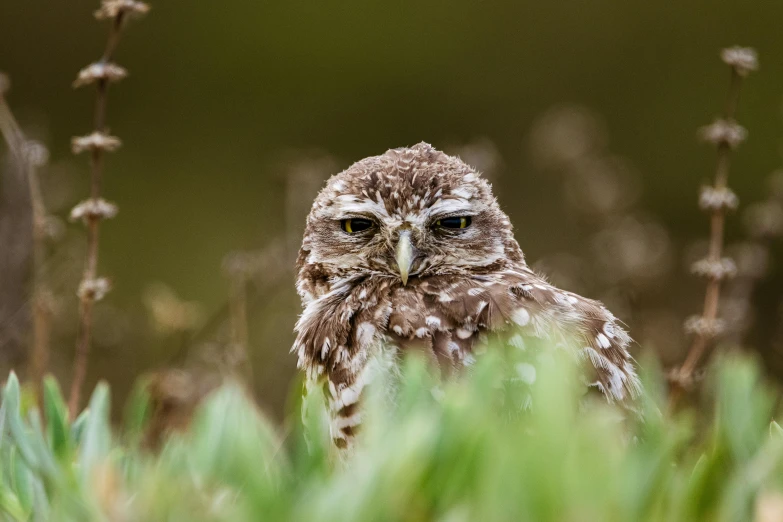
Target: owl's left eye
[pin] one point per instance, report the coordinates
(355, 225)
(454, 222)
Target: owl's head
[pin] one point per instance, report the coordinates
(409, 213)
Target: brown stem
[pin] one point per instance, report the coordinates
(717, 225)
(87, 302)
(41, 307)
(41, 311)
(239, 334)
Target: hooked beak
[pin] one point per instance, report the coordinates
(404, 255)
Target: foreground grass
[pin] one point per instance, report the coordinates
(463, 453)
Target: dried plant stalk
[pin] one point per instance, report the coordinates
(42, 295)
(718, 199)
(92, 211)
(239, 335)
(239, 267)
(239, 329)
(31, 156)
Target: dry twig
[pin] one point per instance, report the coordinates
(92, 211)
(718, 199)
(31, 156)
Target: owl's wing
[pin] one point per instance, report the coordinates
(337, 335)
(459, 309)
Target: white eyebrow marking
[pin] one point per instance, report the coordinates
(463, 192)
(350, 204)
(447, 206)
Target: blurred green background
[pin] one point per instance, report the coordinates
(225, 99)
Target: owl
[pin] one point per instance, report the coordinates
(410, 250)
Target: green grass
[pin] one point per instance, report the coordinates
(464, 453)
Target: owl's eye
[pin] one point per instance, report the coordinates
(355, 225)
(454, 222)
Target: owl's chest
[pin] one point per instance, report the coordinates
(439, 326)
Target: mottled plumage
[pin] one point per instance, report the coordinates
(408, 282)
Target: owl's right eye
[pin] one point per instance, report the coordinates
(354, 225)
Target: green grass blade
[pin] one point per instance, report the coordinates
(57, 429)
(96, 439)
(21, 481)
(10, 505)
(137, 414)
(11, 399)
